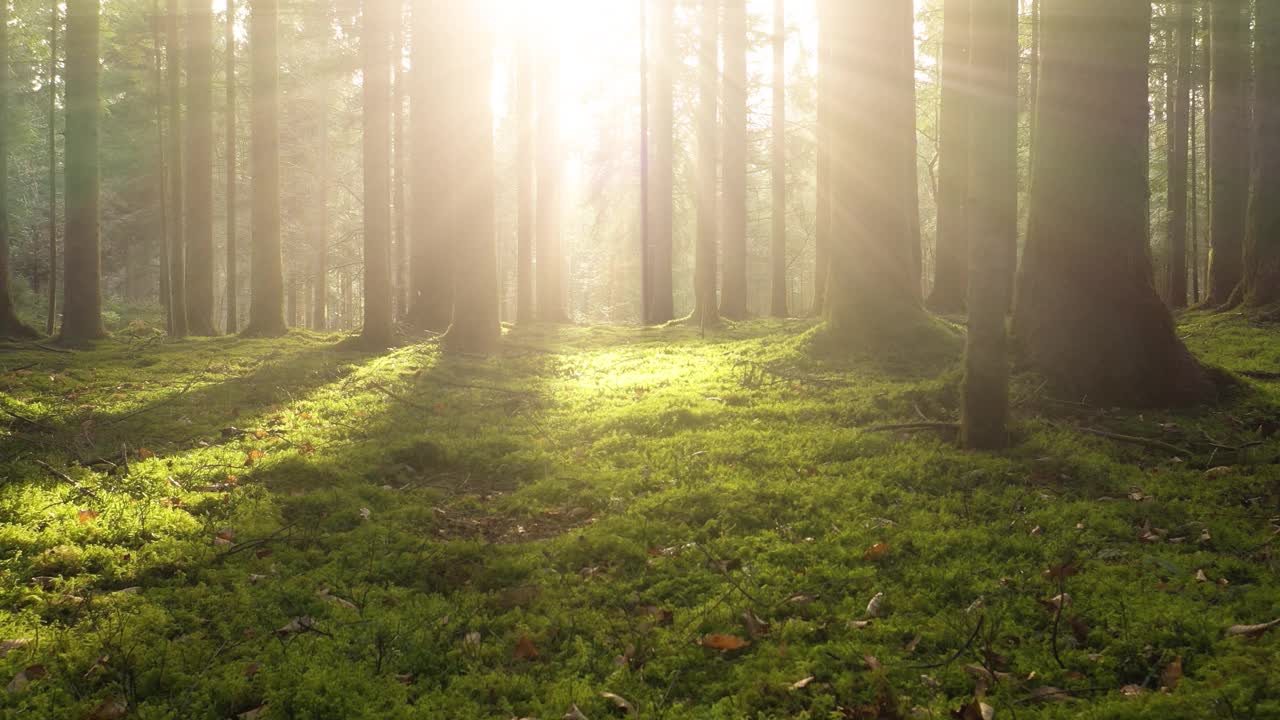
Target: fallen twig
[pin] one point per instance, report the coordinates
(65, 478)
(914, 427)
(1133, 439)
(956, 655)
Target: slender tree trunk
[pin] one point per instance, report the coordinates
(733, 236)
(233, 280)
(906, 122)
(199, 169)
(266, 305)
(82, 269)
(52, 316)
(662, 305)
(162, 169)
(822, 243)
(432, 87)
(319, 215)
(476, 327)
(549, 253)
(1229, 162)
(873, 292)
(10, 325)
(177, 201)
(646, 290)
(1261, 285)
(399, 142)
(525, 221)
(951, 279)
(704, 280)
(1194, 180)
(778, 259)
(992, 213)
(1179, 137)
(376, 44)
(1088, 317)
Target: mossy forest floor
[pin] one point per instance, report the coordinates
(623, 521)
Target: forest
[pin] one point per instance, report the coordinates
(673, 359)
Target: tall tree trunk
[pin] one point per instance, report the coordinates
(873, 291)
(319, 209)
(733, 236)
(1088, 317)
(10, 325)
(51, 317)
(704, 272)
(549, 253)
(906, 122)
(1229, 161)
(432, 88)
(1261, 285)
(822, 224)
(778, 256)
(199, 169)
(177, 201)
(992, 213)
(662, 300)
(376, 44)
(951, 279)
(1179, 137)
(233, 280)
(1194, 180)
(162, 168)
(399, 223)
(266, 303)
(476, 326)
(525, 220)
(82, 269)
(646, 290)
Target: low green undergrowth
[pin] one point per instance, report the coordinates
(695, 526)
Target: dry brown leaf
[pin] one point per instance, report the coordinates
(1201, 577)
(1048, 693)
(525, 649)
(976, 710)
(297, 626)
(25, 678)
(253, 714)
(1172, 673)
(1217, 472)
(873, 663)
(619, 702)
(802, 683)
(1132, 690)
(252, 457)
(876, 552)
(756, 627)
(145, 454)
(875, 608)
(724, 643)
(109, 709)
(574, 714)
(85, 517)
(1252, 631)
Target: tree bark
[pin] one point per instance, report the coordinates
(704, 281)
(318, 215)
(177, 201)
(433, 86)
(376, 45)
(822, 242)
(476, 327)
(662, 299)
(399, 218)
(82, 268)
(266, 306)
(233, 280)
(52, 315)
(549, 253)
(1229, 161)
(733, 236)
(198, 235)
(646, 289)
(778, 256)
(1180, 136)
(1088, 317)
(992, 213)
(951, 279)
(162, 168)
(525, 178)
(10, 325)
(873, 291)
(1261, 286)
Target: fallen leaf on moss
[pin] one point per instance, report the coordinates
(802, 683)
(876, 552)
(109, 709)
(85, 517)
(297, 626)
(724, 643)
(574, 714)
(875, 608)
(1252, 631)
(25, 678)
(253, 714)
(619, 702)
(756, 627)
(976, 710)
(1172, 673)
(525, 649)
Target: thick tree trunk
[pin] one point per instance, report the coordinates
(177, 201)
(433, 87)
(778, 254)
(822, 241)
(951, 279)
(992, 213)
(873, 291)
(906, 122)
(199, 169)
(525, 220)
(1180, 135)
(704, 272)
(10, 325)
(1229, 161)
(476, 327)
(662, 299)
(1262, 247)
(266, 305)
(233, 280)
(376, 45)
(82, 269)
(733, 237)
(549, 253)
(1087, 315)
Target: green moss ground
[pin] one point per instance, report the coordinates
(305, 533)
